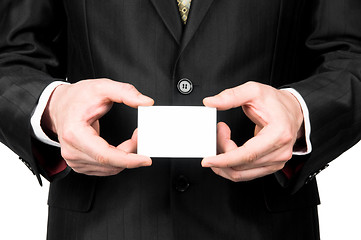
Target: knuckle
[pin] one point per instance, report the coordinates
(101, 159)
(256, 88)
(287, 137)
(66, 154)
(287, 155)
(284, 138)
(128, 87)
(68, 135)
(99, 88)
(250, 157)
(236, 177)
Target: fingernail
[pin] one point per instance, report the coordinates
(148, 163)
(205, 163)
(144, 97)
(205, 100)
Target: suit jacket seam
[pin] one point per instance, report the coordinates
(88, 37)
(275, 47)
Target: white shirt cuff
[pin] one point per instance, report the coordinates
(38, 113)
(306, 121)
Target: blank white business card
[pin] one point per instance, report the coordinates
(177, 131)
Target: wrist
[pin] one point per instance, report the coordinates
(48, 120)
(303, 143)
(295, 108)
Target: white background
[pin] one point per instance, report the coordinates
(23, 208)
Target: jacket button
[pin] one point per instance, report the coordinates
(182, 184)
(185, 86)
(312, 176)
(27, 164)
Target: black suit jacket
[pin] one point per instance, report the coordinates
(311, 46)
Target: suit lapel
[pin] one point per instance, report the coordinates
(168, 11)
(198, 11)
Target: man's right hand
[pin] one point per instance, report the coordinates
(72, 113)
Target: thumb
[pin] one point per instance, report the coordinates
(96, 126)
(257, 129)
(130, 145)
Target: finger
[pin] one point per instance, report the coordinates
(246, 175)
(135, 135)
(233, 97)
(277, 157)
(252, 150)
(124, 93)
(256, 115)
(87, 167)
(224, 142)
(96, 126)
(72, 154)
(80, 161)
(257, 129)
(75, 158)
(101, 172)
(130, 145)
(100, 151)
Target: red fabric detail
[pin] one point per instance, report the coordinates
(49, 159)
(291, 169)
(55, 168)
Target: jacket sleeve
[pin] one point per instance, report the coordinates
(333, 92)
(31, 57)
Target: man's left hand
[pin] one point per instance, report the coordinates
(278, 117)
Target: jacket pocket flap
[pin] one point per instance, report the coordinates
(74, 192)
(280, 199)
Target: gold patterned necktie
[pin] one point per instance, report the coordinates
(183, 6)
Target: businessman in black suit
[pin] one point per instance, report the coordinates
(255, 188)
